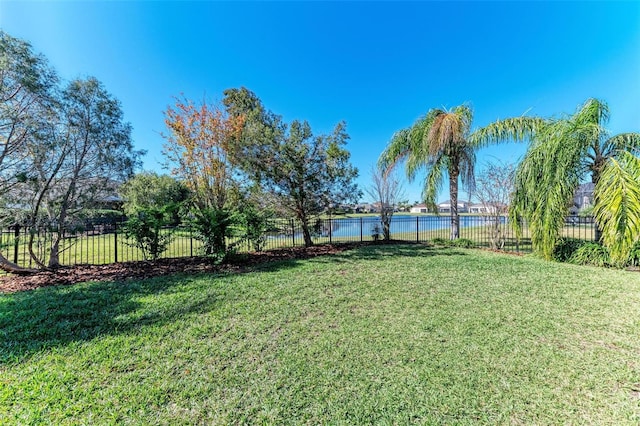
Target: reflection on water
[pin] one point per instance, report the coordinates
(355, 227)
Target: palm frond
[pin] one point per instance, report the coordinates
(617, 205)
(433, 182)
(396, 151)
(517, 129)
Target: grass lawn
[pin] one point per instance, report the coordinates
(377, 335)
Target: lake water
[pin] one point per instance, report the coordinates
(353, 227)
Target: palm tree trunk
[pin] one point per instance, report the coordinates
(595, 177)
(453, 194)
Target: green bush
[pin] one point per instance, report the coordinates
(565, 248)
(634, 255)
(145, 230)
(255, 224)
(592, 254)
(463, 243)
(212, 226)
(459, 242)
(440, 242)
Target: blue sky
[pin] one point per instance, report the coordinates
(376, 65)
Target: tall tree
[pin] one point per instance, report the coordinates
(27, 94)
(562, 152)
(306, 173)
(199, 147)
(442, 142)
(90, 149)
(27, 101)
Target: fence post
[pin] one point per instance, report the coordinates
(16, 244)
(293, 233)
(330, 237)
(190, 241)
(361, 229)
(115, 241)
(417, 229)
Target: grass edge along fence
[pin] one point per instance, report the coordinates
(106, 243)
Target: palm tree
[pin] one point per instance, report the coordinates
(617, 204)
(442, 142)
(563, 151)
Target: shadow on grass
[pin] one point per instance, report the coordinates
(33, 321)
(37, 320)
(369, 252)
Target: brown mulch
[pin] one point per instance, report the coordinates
(145, 269)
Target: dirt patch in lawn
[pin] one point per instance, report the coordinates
(145, 269)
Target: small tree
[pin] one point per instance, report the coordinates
(494, 189)
(199, 144)
(385, 189)
(145, 229)
(304, 172)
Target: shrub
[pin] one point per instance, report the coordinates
(440, 242)
(459, 242)
(463, 243)
(212, 226)
(592, 254)
(255, 226)
(634, 255)
(565, 248)
(146, 231)
(375, 232)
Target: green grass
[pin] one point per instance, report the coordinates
(378, 335)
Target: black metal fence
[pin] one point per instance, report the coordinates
(105, 243)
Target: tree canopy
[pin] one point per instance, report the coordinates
(562, 152)
(305, 172)
(441, 142)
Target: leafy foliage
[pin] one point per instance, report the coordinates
(255, 224)
(27, 98)
(149, 190)
(563, 150)
(589, 253)
(87, 152)
(145, 229)
(305, 173)
(442, 142)
(565, 248)
(459, 242)
(198, 146)
(617, 205)
(213, 226)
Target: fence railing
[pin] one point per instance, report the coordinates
(106, 243)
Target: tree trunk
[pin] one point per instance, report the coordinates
(306, 233)
(10, 267)
(453, 193)
(597, 236)
(54, 253)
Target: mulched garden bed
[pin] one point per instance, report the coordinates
(145, 269)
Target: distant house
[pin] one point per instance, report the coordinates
(582, 197)
(365, 208)
(419, 208)
(445, 207)
(487, 208)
